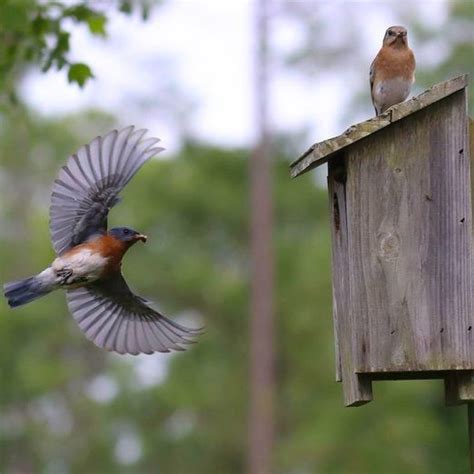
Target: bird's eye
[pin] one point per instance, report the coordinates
(390, 33)
(126, 231)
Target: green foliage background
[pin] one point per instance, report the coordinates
(194, 208)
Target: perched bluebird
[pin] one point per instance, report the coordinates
(392, 72)
(89, 257)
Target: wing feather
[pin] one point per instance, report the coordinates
(371, 80)
(156, 337)
(96, 317)
(88, 186)
(122, 337)
(110, 339)
(106, 327)
(114, 318)
(142, 343)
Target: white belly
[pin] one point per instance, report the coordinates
(391, 92)
(84, 265)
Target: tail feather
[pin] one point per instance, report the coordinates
(21, 292)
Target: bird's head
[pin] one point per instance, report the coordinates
(125, 234)
(395, 36)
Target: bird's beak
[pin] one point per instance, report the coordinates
(141, 237)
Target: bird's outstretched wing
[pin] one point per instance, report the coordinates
(371, 79)
(88, 186)
(116, 319)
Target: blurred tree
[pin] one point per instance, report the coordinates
(43, 362)
(331, 42)
(261, 415)
(454, 40)
(37, 32)
(66, 406)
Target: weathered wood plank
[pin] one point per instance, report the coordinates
(357, 389)
(336, 255)
(471, 151)
(409, 238)
(459, 386)
(322, 152)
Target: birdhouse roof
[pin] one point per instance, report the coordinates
(322, 152)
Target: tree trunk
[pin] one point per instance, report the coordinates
(261, 426)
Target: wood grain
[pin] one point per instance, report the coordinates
(357, 388)
(403, 245)
(409, 237)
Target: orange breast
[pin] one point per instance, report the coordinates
(395, 62)
(106, 246)
(110, 248)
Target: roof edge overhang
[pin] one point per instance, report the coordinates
(322, 152)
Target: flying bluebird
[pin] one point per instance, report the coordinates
(89, 256)
(392, 72)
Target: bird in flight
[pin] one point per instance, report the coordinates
(88, 262)
(392, 72)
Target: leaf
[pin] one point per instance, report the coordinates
(79, 73)
(47, 64)
(80, 13)
(96, 24)
(61, 62)
(62, 44)
(39, 25)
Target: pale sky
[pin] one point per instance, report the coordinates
(199, 54)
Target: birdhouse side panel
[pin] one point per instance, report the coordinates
(357, 389)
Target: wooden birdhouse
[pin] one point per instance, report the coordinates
(402, 260)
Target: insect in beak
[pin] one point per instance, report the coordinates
(141, 237)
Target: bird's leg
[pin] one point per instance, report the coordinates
(64, 274)
(67, 279)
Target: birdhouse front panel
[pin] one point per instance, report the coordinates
(408, 215)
